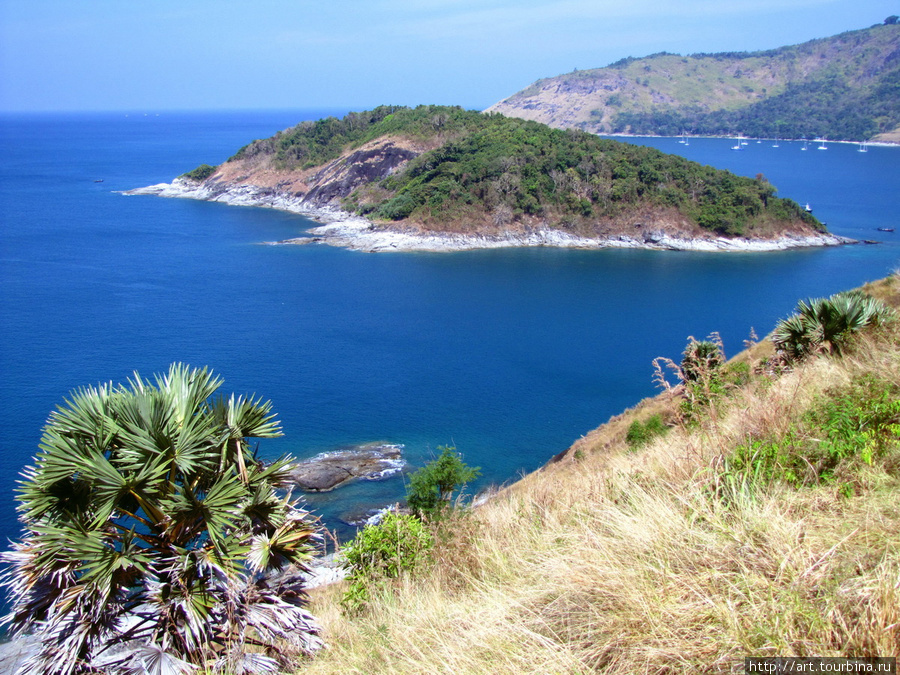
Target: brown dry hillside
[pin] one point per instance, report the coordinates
(684, 555)
(842, 87)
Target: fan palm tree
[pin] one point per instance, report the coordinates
(152, 535)
(825, 325)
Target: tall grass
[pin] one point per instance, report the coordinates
(658, 560)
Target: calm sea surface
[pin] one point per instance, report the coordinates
(508, 355)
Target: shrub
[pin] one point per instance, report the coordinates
(201, 173)
(399, 543)
(431, 488)
(639, 434)
(826, 325)
(855, 423)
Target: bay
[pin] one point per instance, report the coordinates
(510, 355)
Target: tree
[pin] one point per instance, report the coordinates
(431, 488)
(152, 534)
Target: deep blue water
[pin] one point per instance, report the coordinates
(508, 355)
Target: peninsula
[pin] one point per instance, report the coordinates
(443, 178)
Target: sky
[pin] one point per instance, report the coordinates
(92, 55)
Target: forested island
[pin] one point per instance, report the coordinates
(844, 87)
(441, 177)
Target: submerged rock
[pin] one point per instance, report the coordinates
(329, 470)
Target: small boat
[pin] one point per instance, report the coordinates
(823, 146)
(807, 208)
(99, 180)
(885, 229)
(805, 144)
(863, 147)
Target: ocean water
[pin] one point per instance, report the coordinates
(510, 355)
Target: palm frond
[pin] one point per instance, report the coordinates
(148, 523)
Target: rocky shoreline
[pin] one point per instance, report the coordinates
(330, 470)
(346, 230)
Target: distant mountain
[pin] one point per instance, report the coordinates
(845, 87)
(483, 179)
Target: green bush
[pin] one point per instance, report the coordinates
(431, 488)
(201, 173)
(640, 434)
(399, 543)
(858, 421)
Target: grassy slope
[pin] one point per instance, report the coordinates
(843, 87)
(654, 561)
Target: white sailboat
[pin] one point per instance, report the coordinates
(823, 146)
(775, 144)
(805, 144)
(863, 147)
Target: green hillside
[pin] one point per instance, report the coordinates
(841, 87)
(473, 171)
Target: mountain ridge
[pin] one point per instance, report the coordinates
(843, 87)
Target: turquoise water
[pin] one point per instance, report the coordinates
(509, 355)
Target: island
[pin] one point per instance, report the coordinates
(439, 178)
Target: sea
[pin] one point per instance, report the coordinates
(507, 355)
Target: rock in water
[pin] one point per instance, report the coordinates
(330, 470)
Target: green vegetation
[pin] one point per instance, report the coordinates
(486, 171)
(640, 434)
(844, 87)
(398, 544)
(822, 108)
(201, 173)
(314, 143)
(151, 527)
(845, 427)
(515, 169)
(431, 488)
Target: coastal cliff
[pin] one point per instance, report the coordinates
(766, 524)
(441, 178)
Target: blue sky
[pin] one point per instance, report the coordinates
(224, 54)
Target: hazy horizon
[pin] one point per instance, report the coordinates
(276, 55)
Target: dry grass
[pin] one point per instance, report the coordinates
(652, 562)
